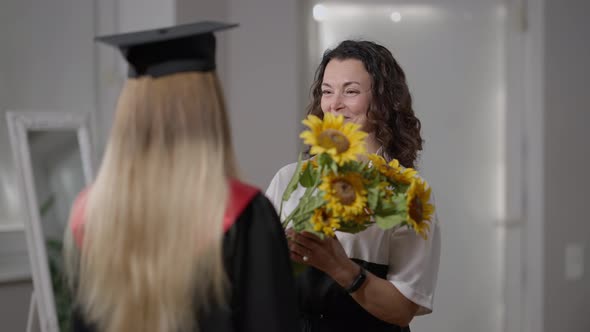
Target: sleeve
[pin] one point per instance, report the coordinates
(267, 297)
(277, 187)
(275, 190)
(413, 264)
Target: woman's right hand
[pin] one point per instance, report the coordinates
(326, 255)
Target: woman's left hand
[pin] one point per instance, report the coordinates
(326, 255)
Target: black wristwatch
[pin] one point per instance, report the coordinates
(358, 281)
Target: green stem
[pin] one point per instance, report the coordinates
(281, 211)
(308, 192)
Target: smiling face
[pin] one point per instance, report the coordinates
(346, 90)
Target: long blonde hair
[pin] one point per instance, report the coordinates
(152, 253)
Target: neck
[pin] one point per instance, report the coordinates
(372, 144)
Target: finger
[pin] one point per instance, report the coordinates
(289, 232)
(311, 236)
(305, 241)
(299, 249)
(298, 259)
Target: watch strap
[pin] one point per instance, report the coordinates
(358, 281)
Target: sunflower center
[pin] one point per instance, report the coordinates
(416, 210)
(325, 219)
(332, 138)
(344, 191)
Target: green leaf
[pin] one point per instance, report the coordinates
(309, 229)
(373, 198)
(360, 167)
(386, 207)
(310, 203)
(324, 159)
(402, 188)
(46, 206)
(54, 245)
(61, 290)
(307, 179)
(389, 221)
(294, 181)
(399, 201)
(354, 228)
(334, 167)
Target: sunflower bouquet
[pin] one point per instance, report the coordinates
(348, 190)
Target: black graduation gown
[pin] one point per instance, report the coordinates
(327, 307)
(263, 296)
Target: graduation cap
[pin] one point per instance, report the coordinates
(167, 51)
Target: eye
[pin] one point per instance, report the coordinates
(326, 92)
(352, 92)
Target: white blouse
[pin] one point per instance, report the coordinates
(412, 261)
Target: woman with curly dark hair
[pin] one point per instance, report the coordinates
(375, 280)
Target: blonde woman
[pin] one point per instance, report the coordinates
(167, 239)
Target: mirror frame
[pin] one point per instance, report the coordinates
(19, 124)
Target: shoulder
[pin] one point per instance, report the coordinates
(286, 172)
(240, 190)
(257, 212)
(78, 216)
(279, 182)
(240, 197)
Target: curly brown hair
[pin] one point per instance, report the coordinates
(390, 116)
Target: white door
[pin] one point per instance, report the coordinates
(455, 58)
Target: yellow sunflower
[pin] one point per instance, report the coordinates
(400, 173)
(306, 164)
(342, 141)
(345, 193)
(393, 170)
(363, 218)
(420, 210)
(378, 163)
(323, 222)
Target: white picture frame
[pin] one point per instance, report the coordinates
(42, 313)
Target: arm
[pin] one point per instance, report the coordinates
(411, 278)
(378, 296)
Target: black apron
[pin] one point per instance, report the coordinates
(325, 306)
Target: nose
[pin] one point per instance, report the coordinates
(336, 103)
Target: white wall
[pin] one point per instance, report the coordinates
(260, 64)
(567, 162)
(263, 90)
(188, 11)
(114, 16)
(46, 63)
(14, 305)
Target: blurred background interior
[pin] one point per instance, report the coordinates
(501, 88)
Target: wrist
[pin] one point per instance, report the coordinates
(346, 273)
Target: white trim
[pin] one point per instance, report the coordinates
(513, 225)
(15, 276)
(19, 123)
(533, 235)
(12, 227)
